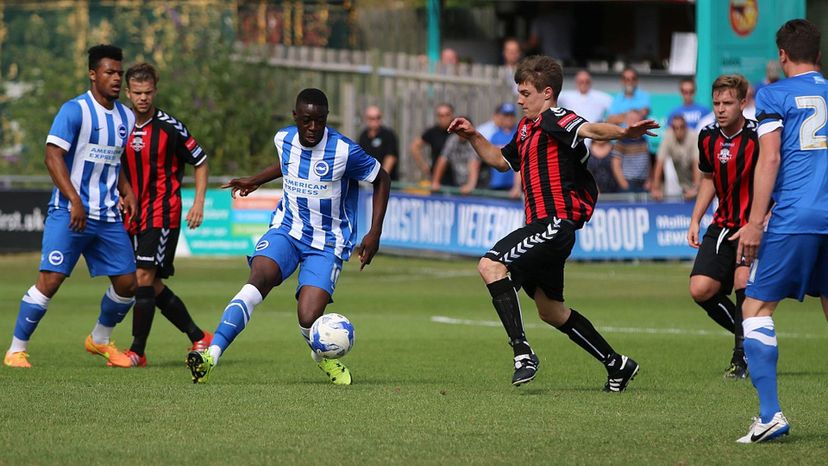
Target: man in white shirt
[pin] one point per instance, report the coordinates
(589, 103)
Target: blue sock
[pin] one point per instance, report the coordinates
(32, 309)
(762, 354)
(236, 315)
(114, 308)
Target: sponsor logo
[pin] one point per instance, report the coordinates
(307, 188)
(744, 15)
(567, 120)
(558, 111)
(376, 142)
(55, 257)
(137, 143)
(262, 245)
(191, 143)
(145, 258)
(321, 168)
(755, 437)
(30, 321)
(97, 153)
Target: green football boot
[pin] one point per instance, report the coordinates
(200, 364)
(335, 370)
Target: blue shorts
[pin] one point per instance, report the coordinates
(789, 266)
(104, 245)
(319, 268)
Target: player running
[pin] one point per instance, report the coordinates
(313, 227)
(154, 159)
(792, 258)
(728, 149)
(560, 195)
(83, 156)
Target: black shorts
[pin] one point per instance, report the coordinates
(717, 257)
(535, 255)
(155, 248)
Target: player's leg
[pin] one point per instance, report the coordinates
(110, 253)
(712, 277)
(59, 253)
(144, 310)
(318, 275)
(705, 291)
(738, 363)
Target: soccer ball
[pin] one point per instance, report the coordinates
(332, 336)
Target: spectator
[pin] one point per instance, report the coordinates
(434, 137)
(630, 98)
(511, 56)
(771, 75)
(631, 159)
(459, 155)
(689, 109)
(449, 57)
(750, 105)
(505, 125)
(600, 165)
(589, 103)
(677, 153)
(379, 141)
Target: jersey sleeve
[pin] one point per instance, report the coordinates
(563, 125)
(66, 126)
(360, 165)
(510, 153)
(768, 111)
(188, 148)
(704, 162)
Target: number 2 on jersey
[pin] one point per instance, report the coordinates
(808, 137)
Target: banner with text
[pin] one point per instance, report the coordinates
(22, 216)
(470, 226)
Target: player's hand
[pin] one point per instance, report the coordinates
(462, 127)
(657, 194)
(693, 235)
(367, 249)
(242, 186)
(638, 129)
(77, 216)
(128, 206)
(749, 236)
(195, 216)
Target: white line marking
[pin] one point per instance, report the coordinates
(643, 330)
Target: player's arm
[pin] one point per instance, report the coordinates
(764, 179)
(196, 213)
(609, 131)
(248, 184)
(487, 151)
(707, 190)
(126, 200)
(370, 242)
(56, 165)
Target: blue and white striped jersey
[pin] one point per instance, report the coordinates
(321, 189)
(93, 138)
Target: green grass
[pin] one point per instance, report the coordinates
(424, 392)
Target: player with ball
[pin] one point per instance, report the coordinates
(312, 229)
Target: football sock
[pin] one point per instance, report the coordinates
(32, 309)
(762, 355)
(113, 310)
(142, 314)
(176, 312)
(236, 315)
(722, 310)
(580, 330)
(507, 305)
(215, 353)
(739, 334)
(306, 333)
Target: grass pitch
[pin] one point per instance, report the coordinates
(431, 369)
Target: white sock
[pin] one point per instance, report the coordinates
(101, 334)
(18, 345)
(215, 353)
(306, 333)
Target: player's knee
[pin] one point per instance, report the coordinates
(701, 292)
(49, 283)
(491, 270)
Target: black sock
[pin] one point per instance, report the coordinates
(739, 346)
(142, 315)
(580, 330)
(722, 310)
(176, 312)
(507, 305)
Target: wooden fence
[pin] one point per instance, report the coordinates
(400, 84)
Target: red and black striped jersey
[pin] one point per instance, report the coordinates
(154, 161)
(731, 161)
(552, 161)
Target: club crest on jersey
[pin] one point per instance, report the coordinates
(55, 257)
(262, 245)
(122, 132)
(724, 155)
(523, 132)
(137, 143)
(321, 168)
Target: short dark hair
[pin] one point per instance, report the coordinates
(101, 51)
(737, 82)
(142, 72)
(541, 71)
(312, 96)
(799, 38)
